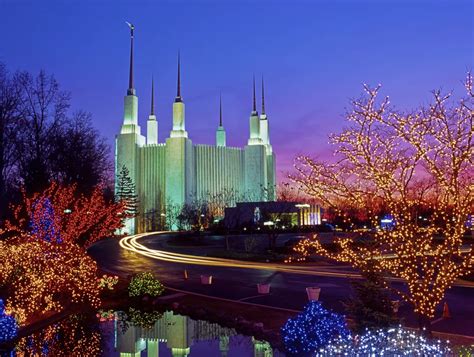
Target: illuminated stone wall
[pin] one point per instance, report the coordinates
(255, 177)
(219, 170)
(151, 184)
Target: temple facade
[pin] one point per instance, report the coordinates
(179, 171)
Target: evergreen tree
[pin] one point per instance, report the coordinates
(371, 307)
(126, 192)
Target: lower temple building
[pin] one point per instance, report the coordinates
(282, 214)
(179, 171)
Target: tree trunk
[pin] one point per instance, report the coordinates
(424, 323)
(227, 246)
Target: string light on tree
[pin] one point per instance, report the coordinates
(61, 210)
(44, 260)
(389, 162)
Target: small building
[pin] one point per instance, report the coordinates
(279, 213)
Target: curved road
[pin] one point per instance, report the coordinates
(237, 280)
(131, 243)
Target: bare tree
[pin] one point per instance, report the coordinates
(79, 154)
(9, 111)
(43, 112)
(403, 161)
(40, 142)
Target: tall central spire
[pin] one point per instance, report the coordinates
(131, 90)
(178, 91)
(220, 109)
(254, 108)
(263, 98)
(152, 110)
(220, 132)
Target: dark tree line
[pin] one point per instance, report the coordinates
(41, 140)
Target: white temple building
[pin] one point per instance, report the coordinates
(179, 171)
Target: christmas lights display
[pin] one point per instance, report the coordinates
(387, 162)
(105, 315)
(387, 342)
(45, 266)
(77, 335)
(138, 318)
(312, 329)
(108, 281)
(42, 221)
(45, 277)
(8, 325)
(59, 212)
(145, 284)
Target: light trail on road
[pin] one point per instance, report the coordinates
(131, 243)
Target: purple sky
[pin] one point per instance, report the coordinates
(314, 56)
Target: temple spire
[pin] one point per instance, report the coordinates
(254, 109)
(220, 109)
(152, 124)
(131, 89)
(263, 98)
(220, 132)
(152, 110)
(178, 91)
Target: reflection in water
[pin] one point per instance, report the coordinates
(180, 336)
(76, 335)
(137, 333)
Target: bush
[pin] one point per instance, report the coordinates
(313, 329)
(145, 284)
(108, 281)
(138, 318)
(387, 342)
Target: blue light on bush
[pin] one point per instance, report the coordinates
(44, 222)
(8, 325)
(313, 329)
(387, 342)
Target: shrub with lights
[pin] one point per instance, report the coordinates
(43, 277)
(108, 281)
(105, 315)
(313, 329)
(145, 284)
(138, 318)
(387, 342)
(8, 325)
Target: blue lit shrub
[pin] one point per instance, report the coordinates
(387, 342)
(313, 329)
